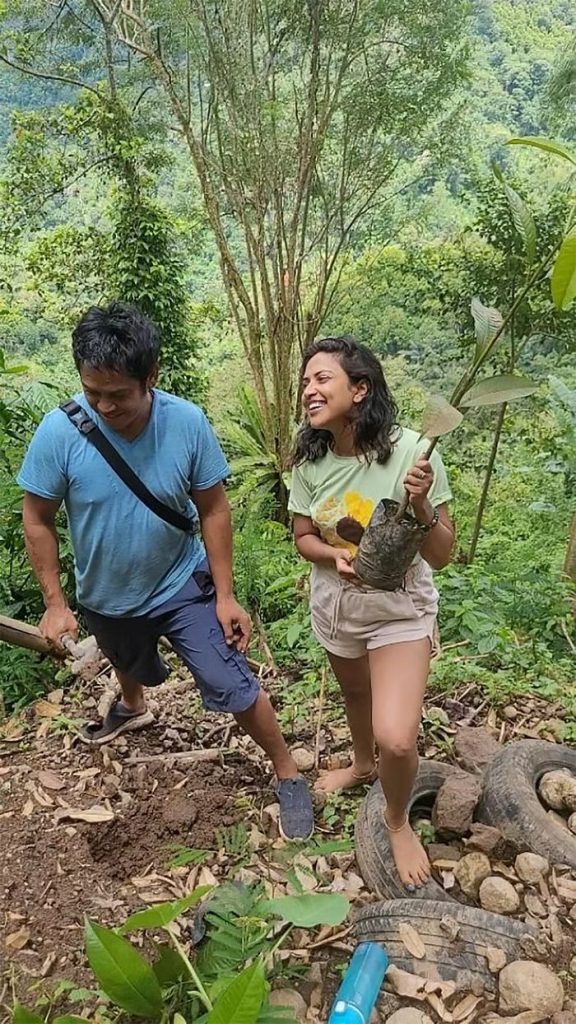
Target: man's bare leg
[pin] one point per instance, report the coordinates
(261, 724)
(132, 693)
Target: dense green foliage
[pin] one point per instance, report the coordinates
(101, 199)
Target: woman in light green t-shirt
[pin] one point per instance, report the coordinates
(349, 454)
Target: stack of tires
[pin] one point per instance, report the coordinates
(458, 938)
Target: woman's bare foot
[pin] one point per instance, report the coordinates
(345, 778)
(410, 857)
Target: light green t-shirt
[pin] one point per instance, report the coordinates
(339, 493)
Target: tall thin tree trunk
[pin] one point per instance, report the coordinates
(487, 482)
(570, 560)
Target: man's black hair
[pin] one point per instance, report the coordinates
(117, 337)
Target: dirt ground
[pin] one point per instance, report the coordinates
(56, 868)
(95, 831)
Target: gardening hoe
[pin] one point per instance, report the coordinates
(86, 658)
(357, 995)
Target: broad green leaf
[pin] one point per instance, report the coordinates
(523, 222)
(548, 145)
(564, 273)
(70, 1018)
(439, 417)
(496, 390)
(122, 973)
(178, 1019)
(164, 913)
(242, 1001)
(487, 323)
(169, 967)
(20, 1015)
(293, 633)
(311, 909)
(276, 1015)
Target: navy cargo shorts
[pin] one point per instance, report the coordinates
(188, 620)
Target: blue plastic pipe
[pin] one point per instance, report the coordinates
(357, 995)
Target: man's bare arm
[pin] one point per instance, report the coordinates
(39, 518)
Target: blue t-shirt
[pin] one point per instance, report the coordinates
(128, 561)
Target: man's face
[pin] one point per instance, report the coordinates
(120, 400)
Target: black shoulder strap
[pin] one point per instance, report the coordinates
(80, 419)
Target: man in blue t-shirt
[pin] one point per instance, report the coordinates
(137, 576)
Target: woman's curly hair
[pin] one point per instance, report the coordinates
(375, 417)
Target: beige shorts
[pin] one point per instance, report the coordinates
(349, 620)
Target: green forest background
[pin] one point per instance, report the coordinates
(100, 199)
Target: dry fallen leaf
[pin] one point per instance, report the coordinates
(411, 940)
(44, 709)
(48, 964)
(466, 1007)
(50, 780)
(402, 983)
(88, 773)
(28, 808)
(13, 730)
(439, 1008)
(39, 795)
(206, 877)
(92, 814)
(412, 986)
(19, 939)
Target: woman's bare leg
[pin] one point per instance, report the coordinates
(399, 673)
(353, 675)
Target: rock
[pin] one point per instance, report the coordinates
(484, 837)
(511, 712)
(534, 905)
(563, 1017)
(558, 790)
(531, 867)
(475, 748)
(441, 851)
(498, 896)
(471, 871)
(290, 998)
(495, 958)
(572, 823)
(558, 819)
(455, 803)
(527, 985)
(573, 966)
(409, 1015)
(304, 758)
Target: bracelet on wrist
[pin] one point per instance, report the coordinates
(426, 527)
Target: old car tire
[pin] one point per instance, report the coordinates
(510, 801)
(456, 938)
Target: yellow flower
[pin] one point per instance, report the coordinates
(359, 508)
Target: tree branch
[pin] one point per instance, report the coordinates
(45, 76)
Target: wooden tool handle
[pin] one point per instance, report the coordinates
(12, 631)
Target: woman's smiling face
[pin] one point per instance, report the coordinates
(328, 395)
